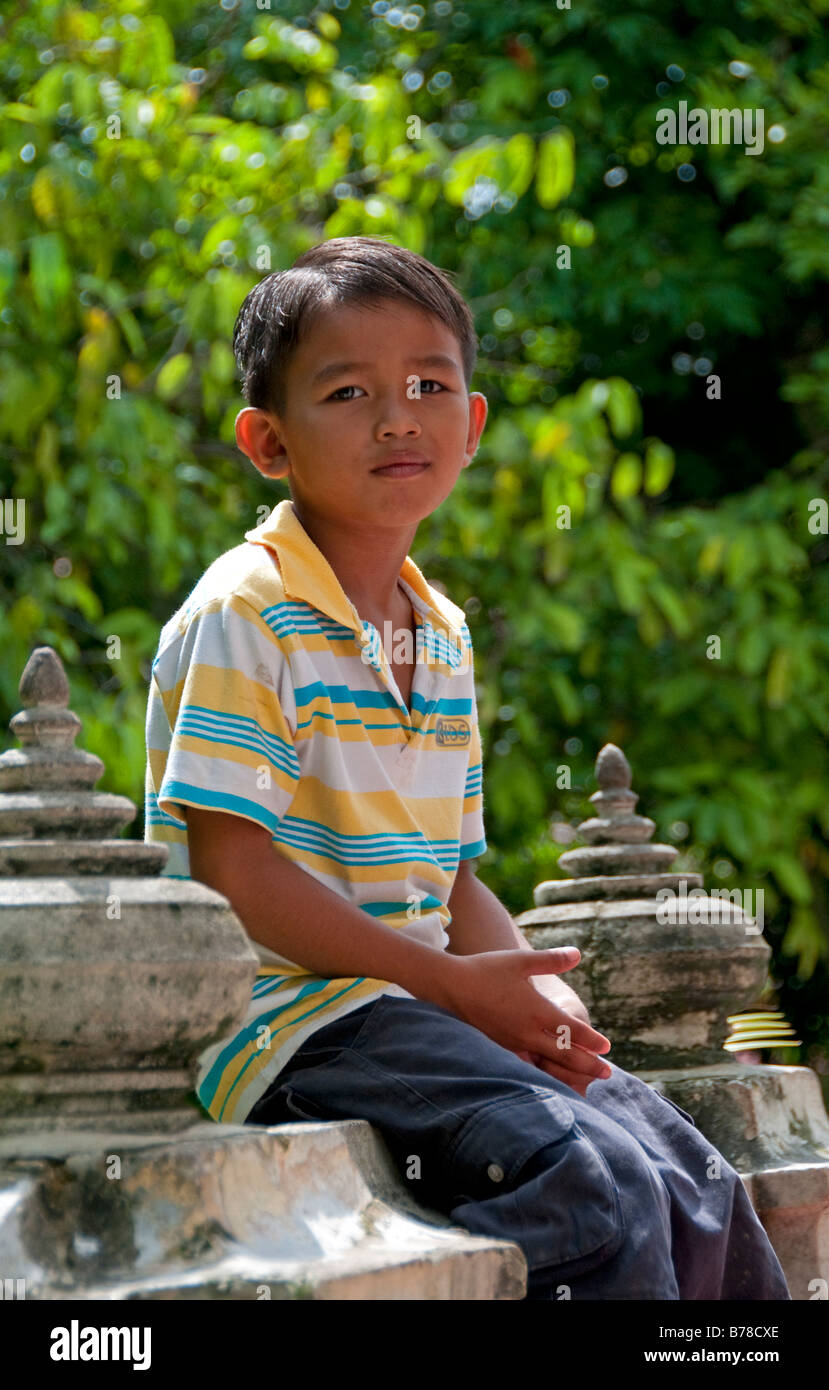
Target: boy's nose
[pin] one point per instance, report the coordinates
(396, 423)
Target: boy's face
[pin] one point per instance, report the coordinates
(337, 428)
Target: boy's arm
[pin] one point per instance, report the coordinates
(481, 923)
(286, 909)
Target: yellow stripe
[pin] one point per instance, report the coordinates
(295, 1017)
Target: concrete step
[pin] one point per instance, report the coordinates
(234, 1212)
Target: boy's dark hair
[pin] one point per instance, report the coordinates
(357, 270)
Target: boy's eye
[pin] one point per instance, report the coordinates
(428, 381)
(336, 393)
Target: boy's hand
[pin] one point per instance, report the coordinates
(494, 991)
(556, 989)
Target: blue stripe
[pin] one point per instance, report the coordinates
(473, 851)
(153, 814)
(247, 1034)
(382, 856)
(377, 837)
(288, 619)
(220, 801)
(295, 620)
(386, 909)
(266, 984)
(362, 849)
(474, 780)
(217, 726)
(366, 698)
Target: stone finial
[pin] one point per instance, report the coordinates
(663, 963)
(113, 977)
(619, 861)
(616, 800)
(51, 820)
(44, 680)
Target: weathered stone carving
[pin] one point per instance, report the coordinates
(660, 979)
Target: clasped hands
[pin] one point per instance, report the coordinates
(497, 992)
(561, 994)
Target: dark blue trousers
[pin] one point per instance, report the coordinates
(614, 1195)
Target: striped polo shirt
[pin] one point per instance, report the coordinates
(270, 698)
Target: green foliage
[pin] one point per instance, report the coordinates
(640, 563)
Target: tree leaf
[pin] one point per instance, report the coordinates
(173, 375)
(555, 167)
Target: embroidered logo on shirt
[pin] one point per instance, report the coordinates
(451, 733)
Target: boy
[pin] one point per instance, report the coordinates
(327, 781)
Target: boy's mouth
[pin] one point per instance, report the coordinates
(405, 467)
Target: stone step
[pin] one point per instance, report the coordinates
(234, 1212)
(769, 1123)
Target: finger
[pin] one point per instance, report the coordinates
(582, 1033)
(574, 1057)
(601, 1067)
(534, 1058)
(575, 1080)
(552, 962)
(585, 1035)
(579, 1034)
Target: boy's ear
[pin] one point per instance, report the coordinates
(478, 408)
(257, 436)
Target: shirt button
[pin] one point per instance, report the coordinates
(496, 1172)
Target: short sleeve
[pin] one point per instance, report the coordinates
(218, 736)
(473, 837)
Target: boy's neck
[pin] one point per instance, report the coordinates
(367, 564)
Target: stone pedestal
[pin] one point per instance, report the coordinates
(111, 981)
(770, 1123)
(114, 1183)
(663, 964)
(234, 1212)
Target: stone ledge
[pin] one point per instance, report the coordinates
(309, 1210)
(759, 1117)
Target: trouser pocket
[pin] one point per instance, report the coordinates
(300, 1106)
(526, 1172)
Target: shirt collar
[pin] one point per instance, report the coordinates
(308, 577)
